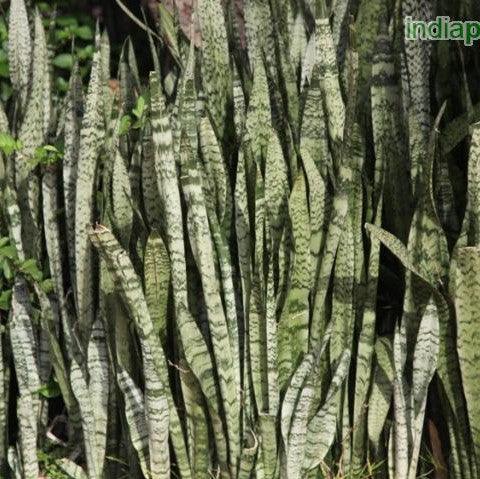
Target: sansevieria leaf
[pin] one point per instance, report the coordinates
(19, 47)
(90, 142)
(215, 60)
(466, 290)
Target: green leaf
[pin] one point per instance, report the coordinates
(125, 125)
(63, 36)
(5, 300)
(46, 155)
(44, 7)
(50, 390)
(8, 251)
(64, 61)
(30, 268)
(66, 21)
(5, 91)
(47, 286)
(4, 69)
(84, 32)
(85, 53)
(7, 270)
(61, 84)
(8, 144)
(139, 107)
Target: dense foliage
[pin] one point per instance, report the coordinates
(262, 261)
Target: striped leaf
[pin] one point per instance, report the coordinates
(200, 239)
(80, 389)
(90, 142)
(297, 401)
(98, 387)
(322, 427)
(466, 286)
(329, 80)
(157, 406)
(216, 75)
(381, 390)
(19, 47)
(293, 325)
(157, 282)
(258, 114)
(424, 366)
(28, 376)
(32, 135)
(135, 415)
(122, 200)
(73, 470)
(195, 349)
(73, 121)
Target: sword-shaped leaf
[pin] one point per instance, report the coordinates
(19, 47)
(296, 405)
(257, 125)
(122, 200)
(4, 126)
(467, 289)
(401, 402)
(157, 282)
(27, 420)
(73, 122)
(293, 325)
(314, 133)
(424, 366)
(216, 74)
(32, 136)
(25, 358)
(80, 389)
(381, 390)
(157, 405)
(136, 421)
(400, 251)
(329, 80)
(151, 196)
(276, 188)
(322, 427)
(53, 244)
(98, 386)
(71, 469)
(203, 252)
(90, 142)
(216, 173)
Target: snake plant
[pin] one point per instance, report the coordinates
(259, 260)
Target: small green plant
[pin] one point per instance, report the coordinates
(8, 144)
(49, 466)
(50, 390)
(68, 31)
(46, 155)
(136, 119)
(10, 265)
